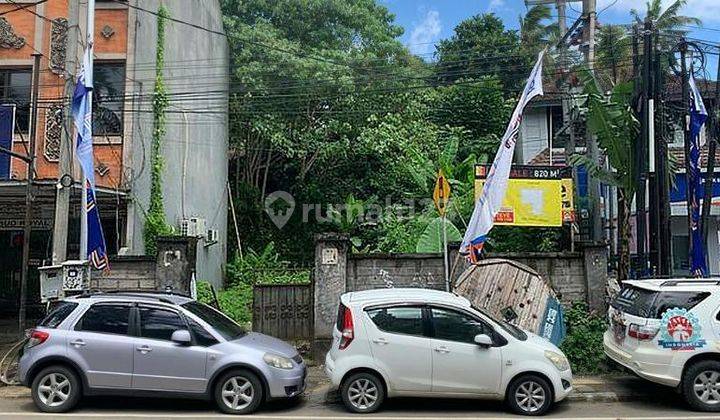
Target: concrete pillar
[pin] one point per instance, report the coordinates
(330, 281)
(595, 261)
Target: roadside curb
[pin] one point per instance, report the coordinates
(14, 392)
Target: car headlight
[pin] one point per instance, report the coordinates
(557, 359)
(277, 361)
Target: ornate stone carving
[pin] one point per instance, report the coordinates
(107, 31)
(58, 45)
(102, 169)
(53, 131)
(8, 37)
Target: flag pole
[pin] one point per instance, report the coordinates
(88, 73)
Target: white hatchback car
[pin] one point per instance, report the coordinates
(428, 343)
(668, 332)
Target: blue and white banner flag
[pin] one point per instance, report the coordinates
(82, 116)
(698, 115)
(496, 182)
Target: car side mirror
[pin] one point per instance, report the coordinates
(181, 337)
(483, 340)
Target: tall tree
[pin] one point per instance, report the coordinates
(535, 30)
(614, 55)
(482, 46)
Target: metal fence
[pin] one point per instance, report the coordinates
(283, 311)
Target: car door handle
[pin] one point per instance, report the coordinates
(442, 349)
(77, 343)
(144, 349)
(380, 341)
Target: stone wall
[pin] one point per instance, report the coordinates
(576, 276)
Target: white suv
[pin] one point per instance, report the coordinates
(668, 332)
(427, 343)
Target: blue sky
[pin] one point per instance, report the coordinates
(427, 21)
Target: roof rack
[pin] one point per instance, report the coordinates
(148, 294)
(689, 281)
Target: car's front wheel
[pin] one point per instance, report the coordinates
(701, 386)
(529, 395)
(56, 389)
(238, 392)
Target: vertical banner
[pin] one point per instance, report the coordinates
(82, 115)
(698, 115)
(496, 183)
(7, 122)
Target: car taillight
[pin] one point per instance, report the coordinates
(348, 332)
(641, 332)
(36, 337)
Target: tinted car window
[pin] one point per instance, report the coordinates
(400, 319)
(159, 323)
(652, 304)
(455, 326)
(202, 337)
(106, 319)
(58, 315)
(222, 325)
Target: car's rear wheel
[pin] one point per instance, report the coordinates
(56, 389)
(529, 395)
(701, 386)
(362, 393)
(238, 392)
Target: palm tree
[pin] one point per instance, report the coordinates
(668, 21)
(534, 33)
(613, 55)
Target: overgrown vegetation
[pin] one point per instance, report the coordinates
(243, 272)
(333, 109)
(583, 344)
(155, 223)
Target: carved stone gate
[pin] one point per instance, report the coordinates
(283, 311)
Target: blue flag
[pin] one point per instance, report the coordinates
(698, 115)
(7, 119)
(82, 117)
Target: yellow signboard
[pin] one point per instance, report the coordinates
(441, 193)
(536, 196)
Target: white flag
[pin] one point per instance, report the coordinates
(497, 178)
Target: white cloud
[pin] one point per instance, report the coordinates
(495, 5)
(706, 10)
(425, 33)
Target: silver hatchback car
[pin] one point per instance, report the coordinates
(158, 344)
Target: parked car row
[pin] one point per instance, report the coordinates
(386, 343)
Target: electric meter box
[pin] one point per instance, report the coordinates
(66, 279)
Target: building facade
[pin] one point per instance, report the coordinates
(194, 148)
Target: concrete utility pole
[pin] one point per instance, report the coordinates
(641, 152)
(596, 231)
(27, 228)
(62, 199)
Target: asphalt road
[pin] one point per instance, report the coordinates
(318, 405)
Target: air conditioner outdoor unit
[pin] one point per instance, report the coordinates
(193, 226)
(212, 236)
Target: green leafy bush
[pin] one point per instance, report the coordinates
(583, 344)
(264, 267)
(243, 273)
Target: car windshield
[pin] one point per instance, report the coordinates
(506, 326)
(224, 326)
